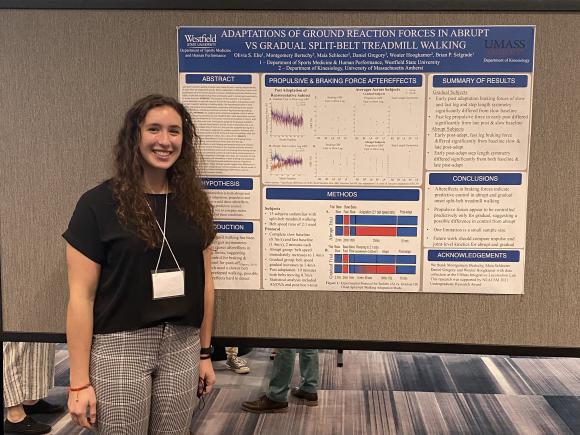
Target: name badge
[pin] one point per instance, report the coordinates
(168, 283)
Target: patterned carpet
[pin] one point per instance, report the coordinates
(392, 393)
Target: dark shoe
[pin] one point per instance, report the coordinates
(43, 407)
(309, 399)
(28, 425)
(263, 405)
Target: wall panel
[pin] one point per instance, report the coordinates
(68, 77)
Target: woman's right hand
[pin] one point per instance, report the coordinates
(78, 402)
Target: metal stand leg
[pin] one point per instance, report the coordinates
(339, 358)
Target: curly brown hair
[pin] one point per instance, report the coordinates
(133, 209)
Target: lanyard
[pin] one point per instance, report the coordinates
(164, 238)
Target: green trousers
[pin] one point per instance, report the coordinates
(283, 369)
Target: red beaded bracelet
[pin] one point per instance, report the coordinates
(84, 387)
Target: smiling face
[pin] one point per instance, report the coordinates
(161, 139)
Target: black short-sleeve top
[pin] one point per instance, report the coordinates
(124, 297)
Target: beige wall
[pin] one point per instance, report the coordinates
(68, 77)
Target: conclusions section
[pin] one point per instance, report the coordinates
(485, 215)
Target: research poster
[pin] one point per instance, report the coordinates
(383, 159)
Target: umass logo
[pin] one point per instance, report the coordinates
(503, 48)
(505, 43)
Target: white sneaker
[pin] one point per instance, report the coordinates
(238, 365)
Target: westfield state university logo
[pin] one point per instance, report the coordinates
(204, 40)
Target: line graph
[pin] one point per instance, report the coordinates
(286, 118)
(279, 161)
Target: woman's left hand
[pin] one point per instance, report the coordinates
(207, 374)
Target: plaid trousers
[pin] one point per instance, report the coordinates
(145, 380)
(28, 371)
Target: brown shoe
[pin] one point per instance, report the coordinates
(263, 405)
(309, 399)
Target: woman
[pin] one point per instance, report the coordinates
(141, 301)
